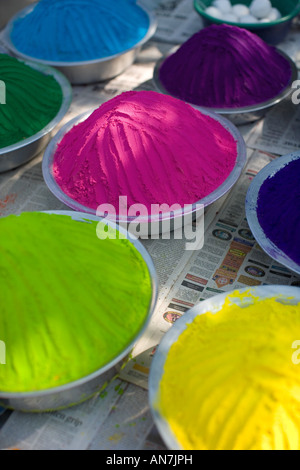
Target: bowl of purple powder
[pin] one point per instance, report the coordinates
(228, 70)
(273, 210)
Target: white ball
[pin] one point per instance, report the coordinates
(265, 20)
(240, 10)
(260, 8)
(274, 15)
(230, 17)
(248, 19)
(223, 5)
(214, 12)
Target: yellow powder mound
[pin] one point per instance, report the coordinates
(231, 381)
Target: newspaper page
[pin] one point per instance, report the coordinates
(119, 417)
(177, 19)
(279, 132)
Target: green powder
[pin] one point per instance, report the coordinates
(70, 302)
(32, 101)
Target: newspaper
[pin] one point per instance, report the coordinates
(278, 136)
(119, 418)
(177, 19)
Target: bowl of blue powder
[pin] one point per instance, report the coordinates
(273, 210)
(88, 40)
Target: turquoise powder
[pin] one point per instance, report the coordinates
(80, 30)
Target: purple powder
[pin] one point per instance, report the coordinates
(224, 66)
(279, 209)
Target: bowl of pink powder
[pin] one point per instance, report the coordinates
(228, 70)
(144, 157)
(273, 210)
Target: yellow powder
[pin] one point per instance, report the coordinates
(230, 382)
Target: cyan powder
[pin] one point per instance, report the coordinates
(224, 66)
(278, 209)
(80, 30)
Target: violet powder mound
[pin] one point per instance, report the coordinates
(225, 66)
(278, 209)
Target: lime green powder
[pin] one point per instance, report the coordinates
(70, 302)
(32, 101)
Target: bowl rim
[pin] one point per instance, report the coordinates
(199, 9)
(83, 217)
(6, 38)
(251, 204)
(232, 111)
(67, 94)
(49, 154)
(213, 304)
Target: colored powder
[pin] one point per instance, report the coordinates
(225, 66)
(70, 303)
(278, 209)
(80, 30)
(33, 100)
(229, 381)
(150, 147)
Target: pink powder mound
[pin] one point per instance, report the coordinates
(150, 147)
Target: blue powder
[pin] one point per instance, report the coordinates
(278, 209)
(80, 30)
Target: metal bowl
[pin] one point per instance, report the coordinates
(285, 294)
(8, 8)
(251, 211)
(83, 389)
(237, 116)
(150, 224)
(91, 71)
(22, 152)
(273, 33)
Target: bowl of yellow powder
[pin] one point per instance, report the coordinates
(76, 295)
(226, 376)
(34, 98)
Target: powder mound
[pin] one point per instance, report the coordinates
(70, 303)
(32, 101)
(80, 30)
(152, 148)
(225, 66)
(278, 209)
(237, 385)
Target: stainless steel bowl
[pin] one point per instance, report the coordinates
(85, 72)
(8, 8)
(238, 116)
(150, 224)
(22, 152)
(252, 203)
(83, 389)
(284, 294)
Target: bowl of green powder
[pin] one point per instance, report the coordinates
(77, 293)
(34, 98)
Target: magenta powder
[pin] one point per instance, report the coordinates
(224, 66)
(278, 209)
(152, 148)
